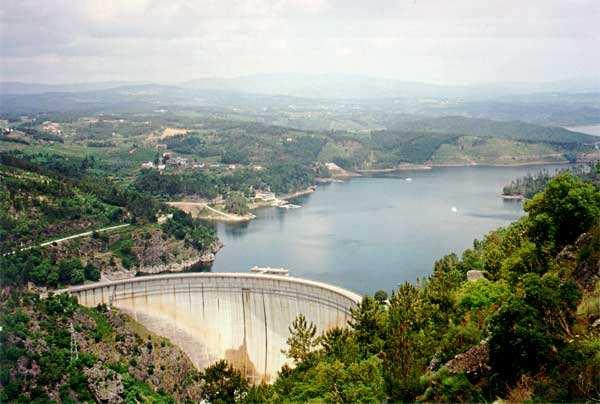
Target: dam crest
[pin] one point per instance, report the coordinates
(240, 317)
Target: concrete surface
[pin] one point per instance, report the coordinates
(241, 317)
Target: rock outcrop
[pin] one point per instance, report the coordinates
(150, 252)
(105, 384)
(474, 363)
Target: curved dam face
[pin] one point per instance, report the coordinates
(241, 317)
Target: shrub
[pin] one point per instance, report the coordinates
(91, 273)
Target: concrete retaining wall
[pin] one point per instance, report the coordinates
(241, 317)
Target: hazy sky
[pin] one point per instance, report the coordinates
(442, 41)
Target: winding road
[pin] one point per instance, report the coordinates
(84, 234)
(74, 236)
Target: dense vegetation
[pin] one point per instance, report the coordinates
(32, 266)
(237, 203)
(53, 350)
(527, 330)
(44, 189)
(47, 196)
(531, 184)
(523, 332)
(505, 130)
(183, 227)
(373, 139)
(280, 178)
(36, 207)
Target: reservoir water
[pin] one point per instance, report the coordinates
(373, 233)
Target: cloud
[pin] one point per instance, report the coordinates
(425, 40)
(344, 51)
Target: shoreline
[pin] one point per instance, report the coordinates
(306, 191)
(524, 164)
(282, 198)
(219, 216)
(426, 167)
(198, 211)
(225, 217)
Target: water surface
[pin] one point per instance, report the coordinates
(589, 129)
(373, 233)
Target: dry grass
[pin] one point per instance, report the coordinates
(590, 303)
(170, 132)
(523, 391)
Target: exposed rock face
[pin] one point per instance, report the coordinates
(152, 250)
(105, 384)
(338, 172)
(584, 256)
(175, 266)
(166, 257)
(209, 257)
(474, 363)
(474, 275)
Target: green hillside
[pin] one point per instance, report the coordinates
(505, 130)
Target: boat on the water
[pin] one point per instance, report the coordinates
(289, 206)
(270, 271)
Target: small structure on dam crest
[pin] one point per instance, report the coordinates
(241, 317)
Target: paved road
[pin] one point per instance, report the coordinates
(84, 234)
(60, 240)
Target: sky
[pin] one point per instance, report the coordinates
(169, 41)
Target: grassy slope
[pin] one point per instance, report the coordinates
(471, 149)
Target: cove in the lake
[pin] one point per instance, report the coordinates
(373, 233)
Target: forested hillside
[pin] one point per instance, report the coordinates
(522, 325)
(505, 130)
(355, 135)
(47, 197)
(526, 328)
(530, 185)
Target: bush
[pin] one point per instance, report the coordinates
(482, 294)
(91, 273)
(70, 270)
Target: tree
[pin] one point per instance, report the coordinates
(567, 207)
(77, 276)
(519, 342)
(237, 203)
(39, 274)
(222, 383)
(368, 322)
(335, 382)
(381, 296)
(71, 271)
(301, 341)
(91, 272)
(339, 343)
(529, 328)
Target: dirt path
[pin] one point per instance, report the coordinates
(188, 207)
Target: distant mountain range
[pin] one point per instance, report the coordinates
(16, 87)
(554, 104)
(327, 86)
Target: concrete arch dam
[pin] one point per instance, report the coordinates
(241, 317)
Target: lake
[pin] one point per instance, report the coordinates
(373, 233)
(589, 129)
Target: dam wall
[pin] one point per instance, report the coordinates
(241, 317)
